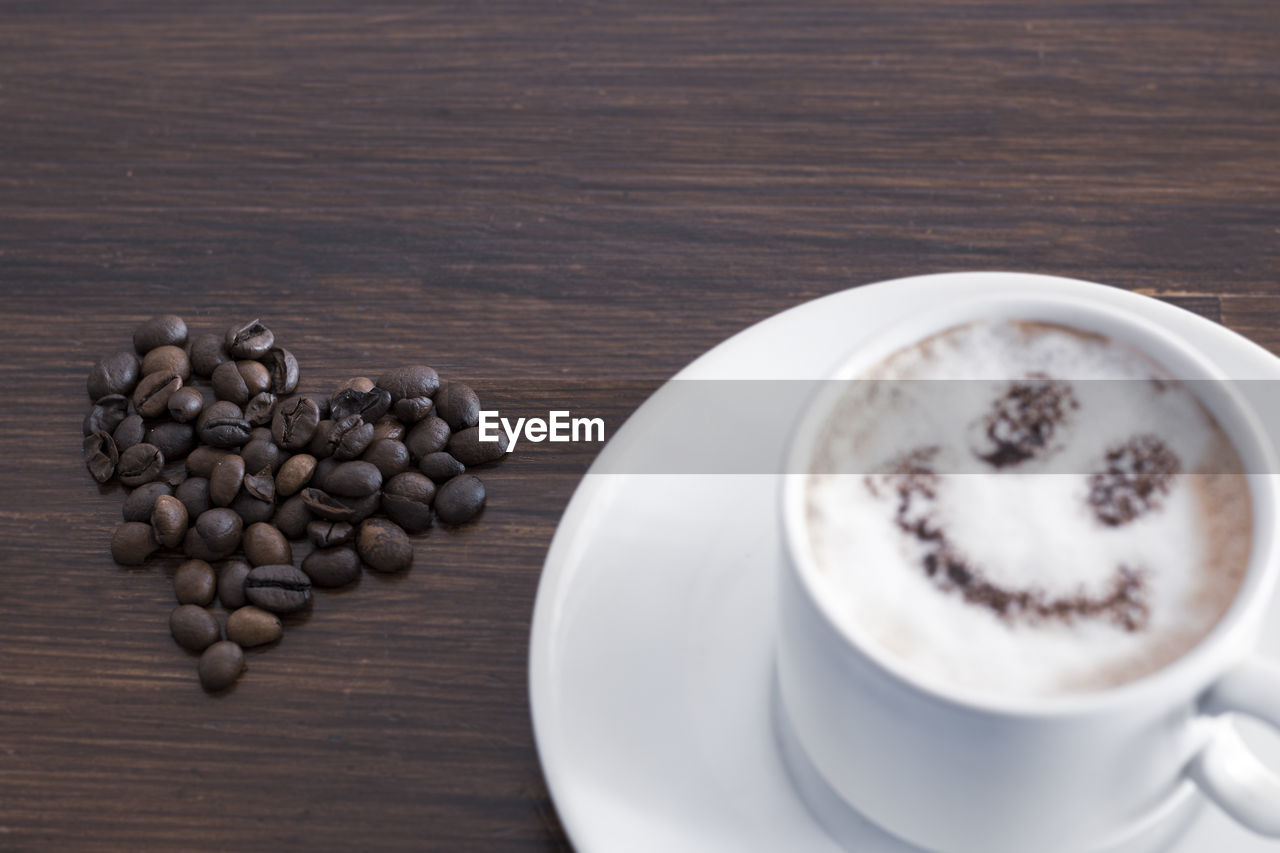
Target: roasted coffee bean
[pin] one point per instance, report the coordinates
(260, 409)
(194, 494)
(458, 405)
(327, 534)
(278, 588)
(186, 404)
(195, 583)
(101, 456)
(362, 508)
(132, 542)
(467, 448)
(323, 469)
(174, 440)
(264, 545)
(207, 352)
(117, 373)
(369, 405)
(215, 535)
(294, 474)
(223, 425)
(161, 330)
(261, 485)
(252, 340)
(292, 517)
(142, 500)
(200, 461)
(132, 430)
(383, 546)
(406, 499)
(107, 414)
(169, 521)
(140, 464)
(321, 444)
(253, 626)
(167, 359)
(231, 575)
(460, 499)
(326, 506)
(294, 422)
(261, 433)
(259, 454)
(388, 427)
(350, 436)
(193, 627)
(256, 377)
(151, 397)
(353, 479)
(332, 567)
(225, 481)
(220, 666)
(389, 456)
(283, 368)
(429, 435)
(229, 384)
(413, 409)
(440, 466)
(360, 384)
(415, 380)
(252, 510)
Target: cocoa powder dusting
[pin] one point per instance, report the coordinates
(1022, 422)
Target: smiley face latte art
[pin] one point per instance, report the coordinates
(1027, 509)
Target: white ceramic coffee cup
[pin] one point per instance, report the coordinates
(958, 770)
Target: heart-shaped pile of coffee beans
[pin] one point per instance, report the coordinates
(261, 464)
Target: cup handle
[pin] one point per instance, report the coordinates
(1226, 769)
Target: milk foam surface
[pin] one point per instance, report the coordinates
(1008, 578)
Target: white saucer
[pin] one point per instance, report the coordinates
(650, 659)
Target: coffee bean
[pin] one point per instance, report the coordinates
(389, 456)
(142, 500)
(132, 542)
(295, 473)
(294, 422)
(169, 521)
(406, 499)
(467, 448)
(253, 626)
(383, 546)
(174, 440)
(440, 466)
(140, 464)
(231, 575)
(353, 479)
(186, 404)
(292, 517)
(278, 588)
(195, 583)
(223, 425)
(430, 435)
(225, 481)
(458, 405)
(362, 508)
(131, 431)
(261, 485)
(414, 380)
(193, 627)
(167, 359)
(332, 567)
(323, 469)
(251, 340)
(283, 368)
(255, 375)
(220, 666)
(107, 414)
(388, 427)
(229, 384)
(260, 409)
(151, 397)
(261, 433)
(215, 535)
(200, 462)
(117, 373)
(253, 510)
(321, 444)
(326, 534)
(260, 454)
(413, 409)
(194, 494)
(101, 456)
(161, 330)
(264, 545)
(350, 436)
(369, 405)
(207, 352)
(326, 506)
(460, 499)
(360, 384)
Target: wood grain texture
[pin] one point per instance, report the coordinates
(564, 195)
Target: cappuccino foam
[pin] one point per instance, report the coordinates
(1022, 527)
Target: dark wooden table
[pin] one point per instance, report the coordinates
(558, 196)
